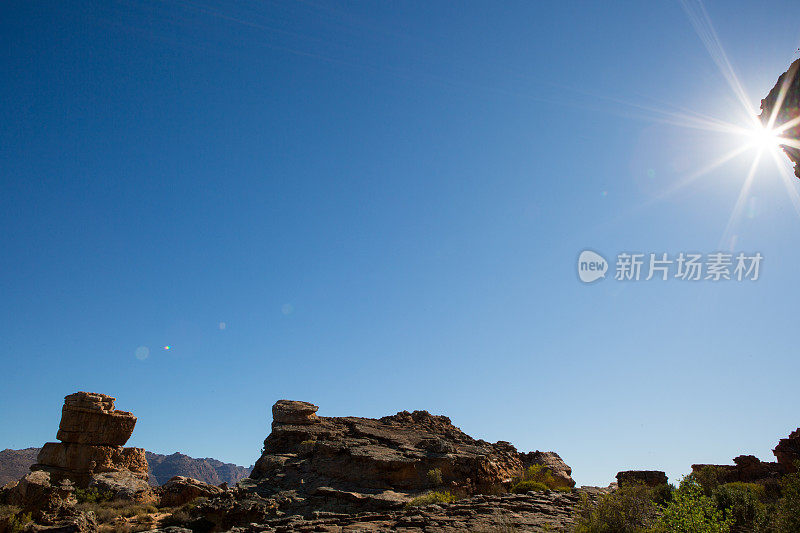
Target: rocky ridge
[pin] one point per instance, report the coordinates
(345, 464)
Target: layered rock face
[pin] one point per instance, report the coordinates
(382, 462)
(92, 433)
(783, 102)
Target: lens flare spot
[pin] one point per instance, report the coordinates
(142, 353)
(222, 325)
(287, 309)
(167, 347)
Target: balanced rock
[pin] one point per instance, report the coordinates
(90, 418)
(781, 107)
(293, 412)
(344, 464)
(92, 434)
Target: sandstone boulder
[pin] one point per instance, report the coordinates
(293, 412)
(180, 490)
(92, 434)
(124, 485)
(90, 418)
(36, 492)
(552, 461)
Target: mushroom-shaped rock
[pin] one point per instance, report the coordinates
(292, 412)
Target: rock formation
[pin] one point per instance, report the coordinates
(651, 478)
(92, 433)
(350, 463)
(788, 451)
(785, 96)
(534, 511)
(751, 469)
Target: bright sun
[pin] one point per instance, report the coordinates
(764, 138)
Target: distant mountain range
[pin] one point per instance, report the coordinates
(16, 463)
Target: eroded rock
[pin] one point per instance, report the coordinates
(347, 464)
(92, 434)
(180, 490)
(788, 451)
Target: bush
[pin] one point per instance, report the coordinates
(431, 498)
(629, 509)
(526, 486)
(434, 476)
(538, 474)
(742, 503)
(92, 495)
(691, 511)
(708, 478)
(787, 515)
(17, 522)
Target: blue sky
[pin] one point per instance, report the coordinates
(384, 204)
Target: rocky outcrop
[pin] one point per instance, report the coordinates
(35, 491)
(651, 478)
(92, 433)
(124, 485)
(788, 451)
(750, 469)
(534, 511)
(180, 490)
(746, 468)
(784, 102)
(552, 461)
(349, 463)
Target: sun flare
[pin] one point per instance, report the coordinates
(764, 137)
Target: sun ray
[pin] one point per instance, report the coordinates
(788, 180)
(740, 201)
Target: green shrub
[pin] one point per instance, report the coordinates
(708, 478)
(434, 476)
(432, 497)
(17, 522)
(92, 495)
(743, 503)
(629, 509)
(526, 486)
(787, 512)
(541, 475)
(691, 511)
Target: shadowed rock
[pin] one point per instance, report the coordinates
(781, 107)
(651, 478)
(788, 451)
